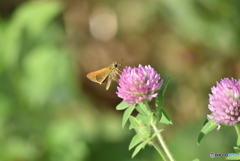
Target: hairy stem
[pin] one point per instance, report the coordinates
(162, 142)
(159, 150)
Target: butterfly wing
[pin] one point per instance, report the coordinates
(113, 75)
(99, 76)
(109, 81)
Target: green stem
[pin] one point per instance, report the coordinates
(159, 150)
(238, 134)
(162, 142)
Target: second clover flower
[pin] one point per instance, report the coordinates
(138, 83)
(224, 102)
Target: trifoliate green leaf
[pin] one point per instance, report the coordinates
(208, 126)
(135, 140)
(143, 108)
(145, 119)
(236, 149)
(127, 113)
(122, 106)
(237, 128)
(164, 118)
(134, 123)
(143, 130)
(138, 148)
(196, 159)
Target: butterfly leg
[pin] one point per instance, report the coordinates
(109, 81)
(116, 76)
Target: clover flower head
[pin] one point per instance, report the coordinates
(138, 83)
(224, 101)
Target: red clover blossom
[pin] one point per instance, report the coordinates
(224, 102)
(138, 83)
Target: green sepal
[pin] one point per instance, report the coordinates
(208, 126)
(127, 113)
(122, 106)
(164, 119)
(135, 141)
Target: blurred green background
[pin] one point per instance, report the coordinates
(49, 111)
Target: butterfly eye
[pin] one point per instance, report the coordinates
(115, 65)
